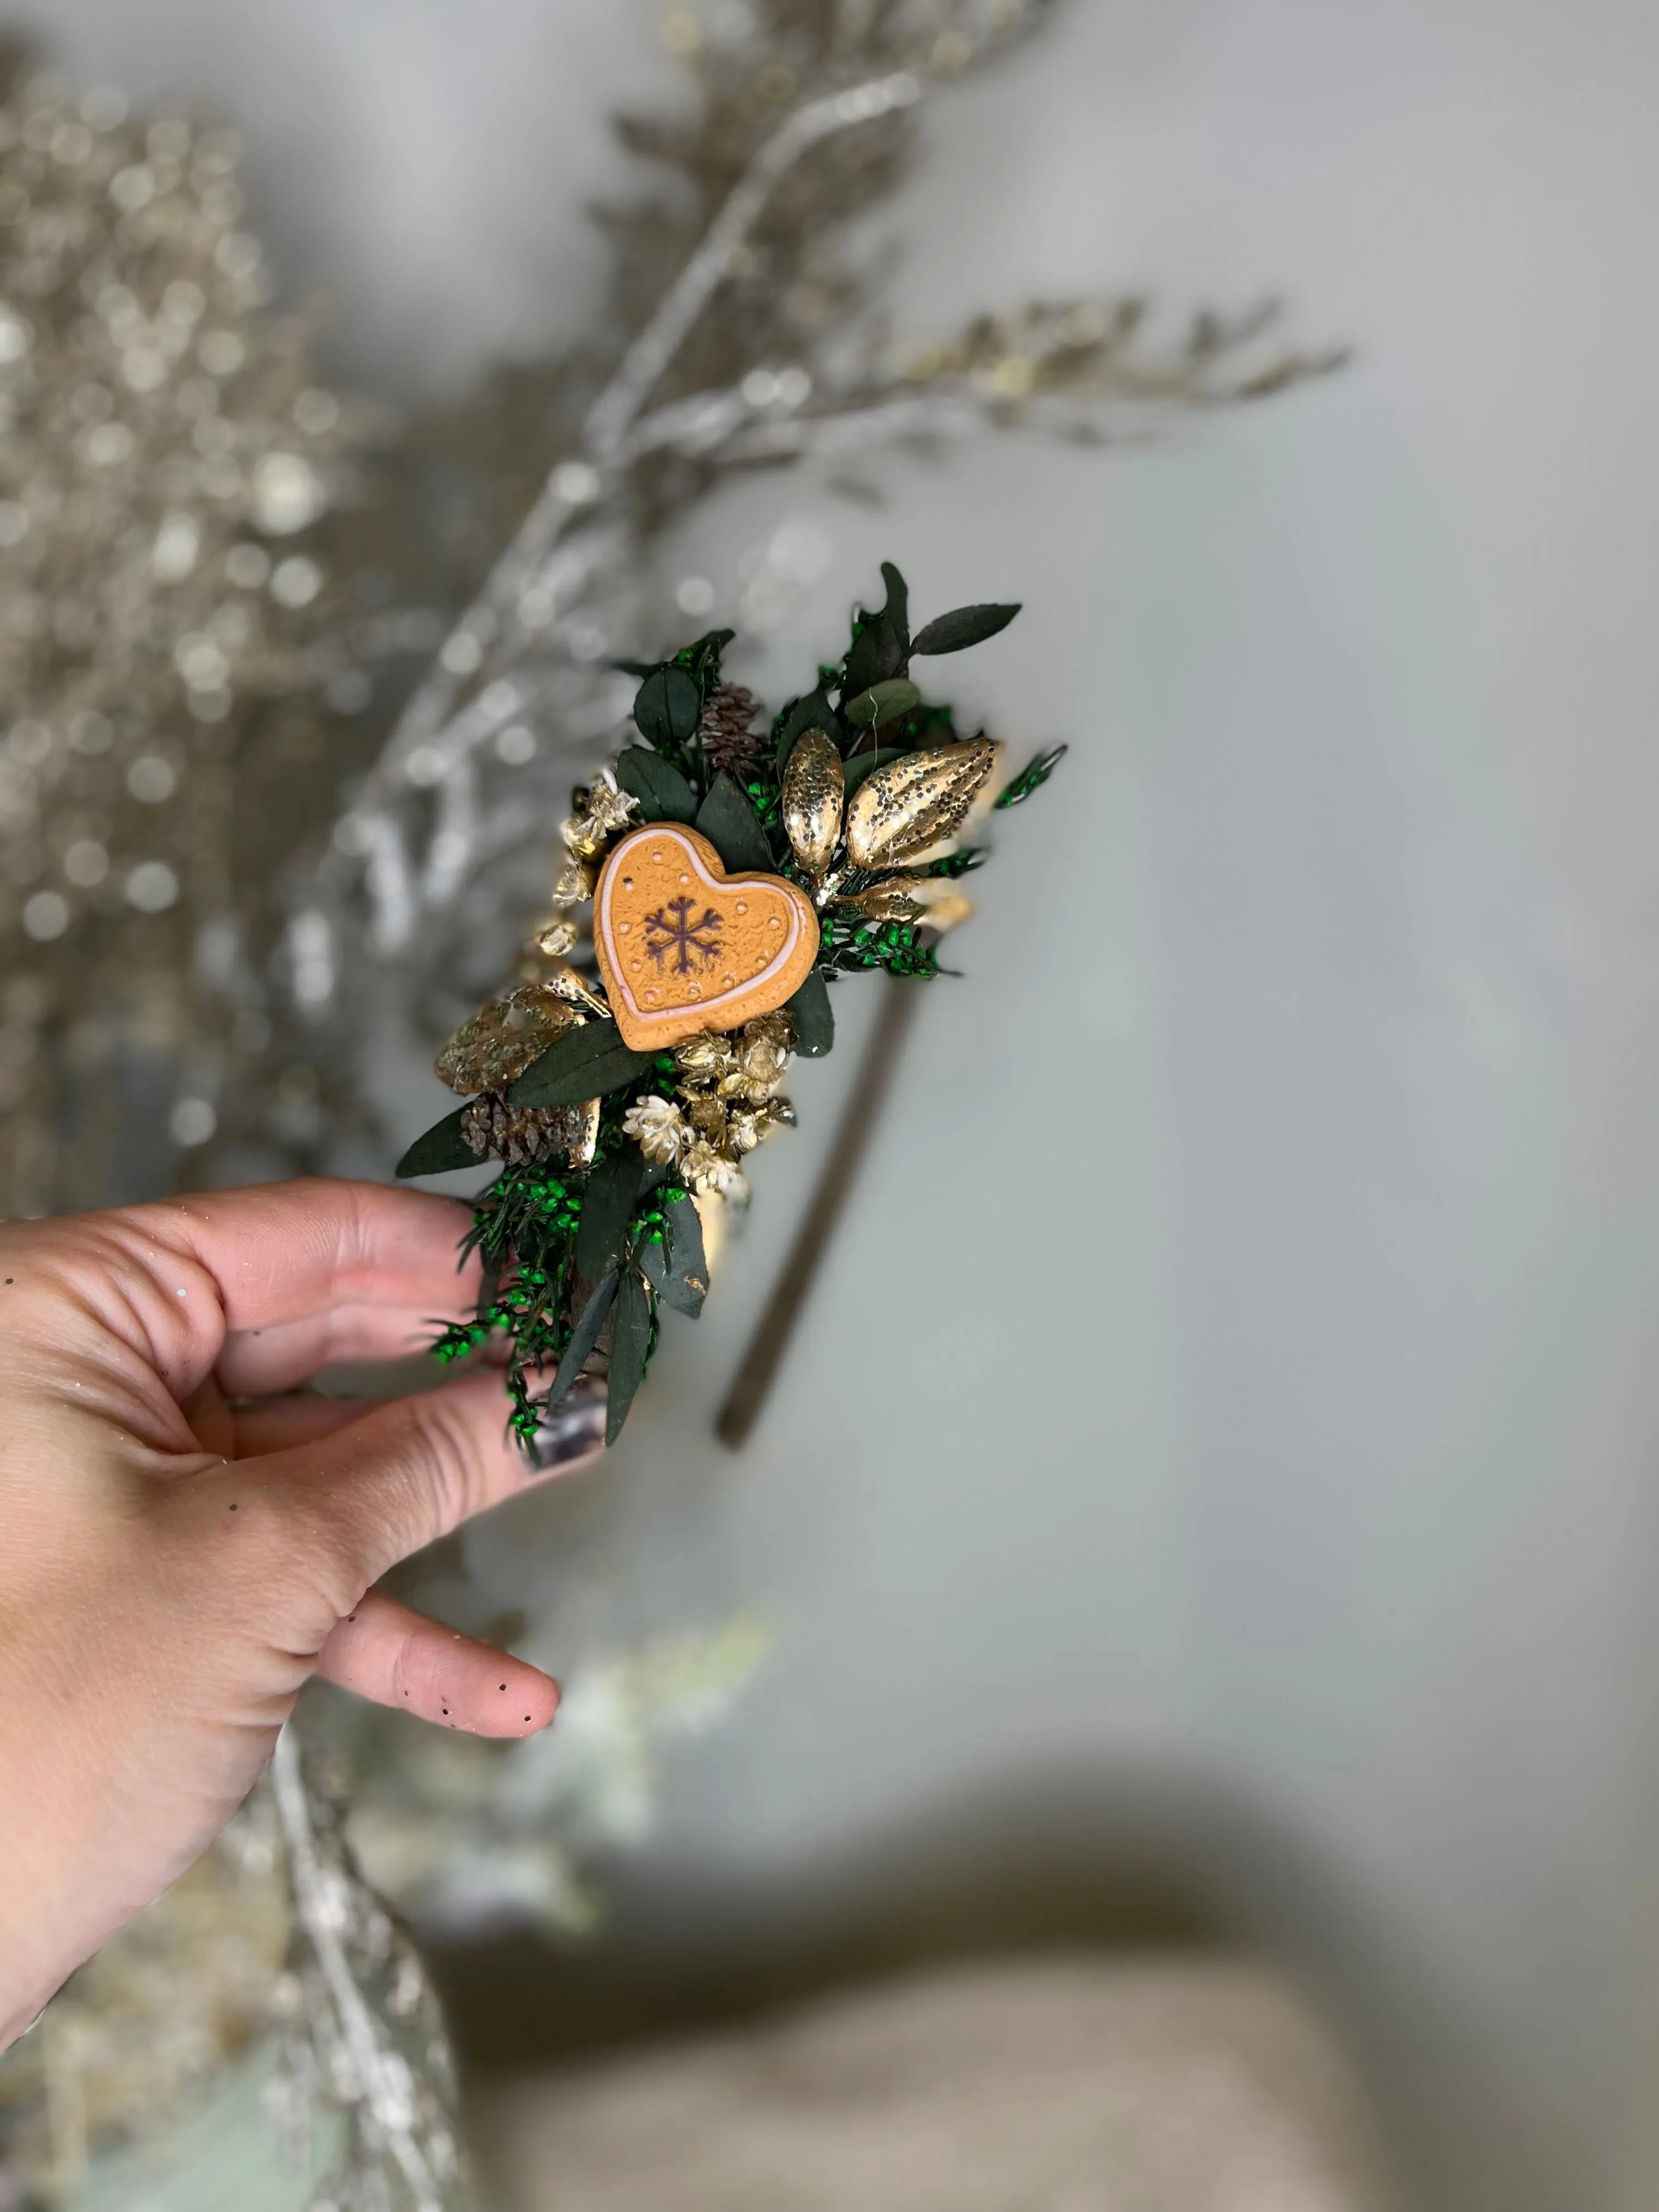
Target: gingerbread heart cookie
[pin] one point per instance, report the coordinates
(682, 946)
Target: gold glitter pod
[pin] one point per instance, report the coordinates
(914, 803)
(893, 899)
(569, 984)
(494, 1047)
(814, 792)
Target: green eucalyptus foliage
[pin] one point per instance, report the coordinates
(727, 818)
(442, 1148)
(814, 1017)
(960, 628)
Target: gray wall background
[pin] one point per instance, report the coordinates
(1285, 1439)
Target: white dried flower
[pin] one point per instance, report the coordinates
(743, 1130)
(658, 1127)
(707, 1170)
(764, 1054)
(749, 1126)
(705, 1057)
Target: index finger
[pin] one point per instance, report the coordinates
(254, 1282)
(287, 1252)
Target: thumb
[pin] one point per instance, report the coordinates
(413, 1470)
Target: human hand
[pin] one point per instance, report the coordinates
(180, 1551)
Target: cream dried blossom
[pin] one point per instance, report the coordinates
(764, 1049)
(660, 1129)
(743, 1130)
(710, 1171)
(705, 1057)
(707, 1115)
(749, 1126)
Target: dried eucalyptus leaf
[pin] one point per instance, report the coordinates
(676, 1269)
(442, 1148)
(813, 1016)
(663, 792)
(631, 1350)
(883, 700)
(667, 709)
(585, 1336)
(608, 1206)
(584, 1064)
(701, 658)
(882, 647)
(898, 609)
(732, 827)
(963, 627)
(685, 1243)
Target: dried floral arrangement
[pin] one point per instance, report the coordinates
(622, 1093)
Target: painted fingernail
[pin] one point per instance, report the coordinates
(574, 1428)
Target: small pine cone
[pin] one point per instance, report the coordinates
(726, 733)
(517, 1134)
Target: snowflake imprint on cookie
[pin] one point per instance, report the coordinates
(683, 937)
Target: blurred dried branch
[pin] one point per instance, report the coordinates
(165, 453)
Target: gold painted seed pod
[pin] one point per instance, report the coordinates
(893, 899)
(494, 1047)
(814, 791)
(914, 803)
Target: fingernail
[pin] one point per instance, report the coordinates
(573, 1428)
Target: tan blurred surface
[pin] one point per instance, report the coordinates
(1065, 2084)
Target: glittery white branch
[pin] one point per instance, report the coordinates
(649, 355)
(384, 2082)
